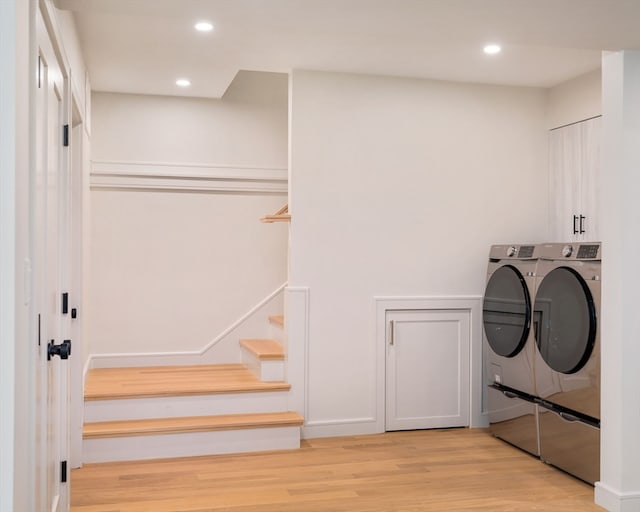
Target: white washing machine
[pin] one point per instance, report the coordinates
(567, 367)
(509, 345)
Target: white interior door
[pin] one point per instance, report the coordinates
(427, 369)
(50, 244)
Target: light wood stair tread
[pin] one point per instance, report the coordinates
(163, 381)
(281, 215)
(264, 349)
(190, 424)
(277, 320)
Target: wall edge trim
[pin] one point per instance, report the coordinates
(203, 177)
(107, 360)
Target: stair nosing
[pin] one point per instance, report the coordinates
(181, 425)
(278, 386)
(269, 355)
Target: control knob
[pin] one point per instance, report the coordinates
(567, 251)
(511, 251)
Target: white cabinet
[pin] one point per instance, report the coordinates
(574, 168)
(427, 369)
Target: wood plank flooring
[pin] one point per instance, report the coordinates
(429, 470)
(158, 381)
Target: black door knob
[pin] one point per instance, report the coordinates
(63, 350)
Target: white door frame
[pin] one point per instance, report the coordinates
(470, 303)
(76, 399)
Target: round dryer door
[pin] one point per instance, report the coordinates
(565, 318)
(506, 311)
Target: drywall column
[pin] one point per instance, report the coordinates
(7, 248)
(619, 486)
(17, 402)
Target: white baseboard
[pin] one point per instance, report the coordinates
(337, 428)
(616, 501)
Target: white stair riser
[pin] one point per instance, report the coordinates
(190, 444)
(196, 405)
(276, 332)
(266, 371)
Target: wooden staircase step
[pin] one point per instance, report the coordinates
(281, 215)
(164, 381)
(277, 320)
(190, 436)
(264, 349)
(127, 428)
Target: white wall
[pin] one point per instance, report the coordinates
(399, 187)
(171, 269)
(16, 463)
(247, 127)
(575, 100)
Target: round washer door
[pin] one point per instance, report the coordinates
(565, 318)
(506, 311)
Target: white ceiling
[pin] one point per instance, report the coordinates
(143, 46)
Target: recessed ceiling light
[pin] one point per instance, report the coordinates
(183, 82)
(492, 49)
(203, 26)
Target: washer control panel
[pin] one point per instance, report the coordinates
(588, 252)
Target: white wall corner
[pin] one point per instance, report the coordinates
(297, 335)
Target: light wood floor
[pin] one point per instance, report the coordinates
(431, 470)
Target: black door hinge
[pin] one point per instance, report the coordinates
(63, 471)
(65, 303)
(65, 135)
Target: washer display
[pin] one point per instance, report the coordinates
(509, 345)
(567, 370)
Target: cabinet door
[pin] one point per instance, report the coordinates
(590, 176)
(427, 369)
(565, 158)
(574, 166)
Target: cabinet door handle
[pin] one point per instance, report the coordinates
(582, 219)
(575, 229)
(392, 325)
